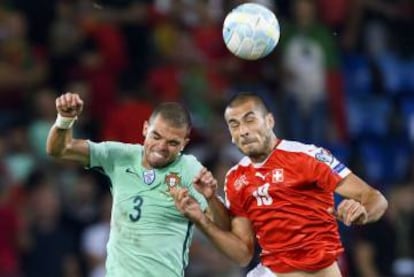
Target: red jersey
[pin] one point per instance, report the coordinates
(286, 198)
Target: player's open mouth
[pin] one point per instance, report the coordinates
(159, 155)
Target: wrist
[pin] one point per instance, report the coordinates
(215, 198)
(202, 221)
(210, 199)
(64, 122)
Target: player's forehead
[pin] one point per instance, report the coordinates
(242, 109)
(164, 128)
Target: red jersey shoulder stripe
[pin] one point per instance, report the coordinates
(316, 153)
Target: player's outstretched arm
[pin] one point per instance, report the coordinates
(60, 142)
(364, 204)
(206, 184)
(237, 244)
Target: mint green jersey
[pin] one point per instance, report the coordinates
(149, 237)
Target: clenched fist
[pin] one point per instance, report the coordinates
(350, 212)
(205, 183)
(186, 204)
(69, 105)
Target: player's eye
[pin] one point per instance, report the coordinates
(155, 136)
(173, 143)
(234, 125)
(250, 119)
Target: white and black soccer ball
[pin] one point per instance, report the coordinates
(251, 31)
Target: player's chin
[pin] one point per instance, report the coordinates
(160, 162)
(249, 150)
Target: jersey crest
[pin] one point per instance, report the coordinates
(277, 175)
(172, 180)
(149, 176)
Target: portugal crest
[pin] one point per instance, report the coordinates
(172, 180)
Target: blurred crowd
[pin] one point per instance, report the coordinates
(341, 77)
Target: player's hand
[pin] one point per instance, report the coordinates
(69, 105)
(205, 183)
(350, 212)
(187, 205)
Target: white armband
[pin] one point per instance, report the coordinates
(64, 122)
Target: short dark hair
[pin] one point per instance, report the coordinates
(243, 97)
(175, 113)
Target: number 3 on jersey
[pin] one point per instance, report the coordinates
(136, 215)
(262, 195)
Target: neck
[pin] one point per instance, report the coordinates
(145, 164)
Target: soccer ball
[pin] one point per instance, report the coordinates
(251, 31)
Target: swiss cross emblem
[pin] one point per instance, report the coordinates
(277, 175)
(172, 180)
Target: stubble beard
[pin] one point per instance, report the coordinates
(157, 164)
(260, 154)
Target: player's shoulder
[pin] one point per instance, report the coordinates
(297, 147)
(123, 146)
(189, 161)
(188, 158)
(305, 151)
(238, 168)
(117, 149)
(236, 177)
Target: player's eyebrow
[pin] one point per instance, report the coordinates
(173, 141)
(231, 120)
(156, 133)
(248, 114)
(169, 140)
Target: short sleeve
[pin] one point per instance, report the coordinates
(191, 168)
(105, 154)
(233, 199)
(325, 169)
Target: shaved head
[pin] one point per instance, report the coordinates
(174, 113)
(244, 97)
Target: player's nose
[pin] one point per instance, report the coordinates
(244, 131)
(162, 146)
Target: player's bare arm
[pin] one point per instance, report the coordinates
(237, 244)
(60, 142)
(206, 184)
(364, 204)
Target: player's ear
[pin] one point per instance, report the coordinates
(270, 121)
(186, 141)
(145, 128)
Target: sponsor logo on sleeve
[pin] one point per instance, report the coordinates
(325, 156)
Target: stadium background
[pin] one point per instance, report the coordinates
(341, 77)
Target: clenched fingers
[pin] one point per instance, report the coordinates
(205, 178)
(359, 216)
(350, 211)
(177, 193)
(200, 175)
(69, 104)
